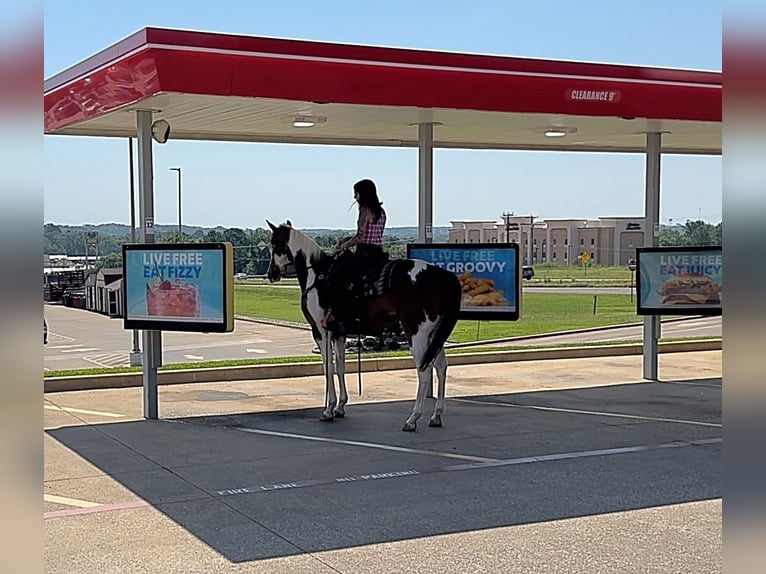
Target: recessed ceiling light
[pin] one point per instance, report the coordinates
(307, 121)
(559, 131)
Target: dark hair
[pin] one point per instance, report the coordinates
(368, 196)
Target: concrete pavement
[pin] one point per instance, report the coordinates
(569, 465)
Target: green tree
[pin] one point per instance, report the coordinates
(698, 233)
(671, 237)
(111, 260)
(175, 237)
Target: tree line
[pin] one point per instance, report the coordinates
(692, 233)
(251, 253)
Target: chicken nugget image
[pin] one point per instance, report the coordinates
(480, 289)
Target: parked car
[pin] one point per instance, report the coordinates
(45, 331)
(527, 272)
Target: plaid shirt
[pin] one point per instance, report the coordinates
(373, 232)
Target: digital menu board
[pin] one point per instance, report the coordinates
(680, 280)
(179, 287)
(488, 273)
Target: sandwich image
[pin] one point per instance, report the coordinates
(690, 289)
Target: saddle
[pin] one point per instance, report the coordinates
(355, 279)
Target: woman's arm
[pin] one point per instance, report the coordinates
(361, 224)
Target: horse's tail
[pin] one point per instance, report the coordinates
(449, 304)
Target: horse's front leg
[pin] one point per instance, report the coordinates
(425, 380)
(340, 371)
(330, 399)
(440, 364)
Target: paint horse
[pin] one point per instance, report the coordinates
(422, 298)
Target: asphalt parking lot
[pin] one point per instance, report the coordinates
(552, 466)
(80, 339)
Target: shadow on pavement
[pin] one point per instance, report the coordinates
(256, 486)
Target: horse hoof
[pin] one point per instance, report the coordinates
(435, 422)
(340, 414)
(410, 427)
(326, 418)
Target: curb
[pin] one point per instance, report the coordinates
(289, 370)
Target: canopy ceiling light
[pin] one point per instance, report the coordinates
(558, 131)
(308, 121)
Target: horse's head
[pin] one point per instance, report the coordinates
(279, 249)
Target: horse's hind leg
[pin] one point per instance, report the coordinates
(425, 380)
(440, 364)
(340, 371)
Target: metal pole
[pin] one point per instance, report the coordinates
(425, 193)
(135, 351)
(152, 339)
(651, 233)
(178, 171)
(425, 182)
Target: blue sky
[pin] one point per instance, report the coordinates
(239, 185)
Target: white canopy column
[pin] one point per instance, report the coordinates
(152, 340)
(425, 181)
(651, 236)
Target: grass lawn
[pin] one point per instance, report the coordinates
(541, 313)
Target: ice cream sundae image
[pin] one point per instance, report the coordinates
(171, 298)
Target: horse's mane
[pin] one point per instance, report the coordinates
(307, 252)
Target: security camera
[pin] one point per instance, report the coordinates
(161, 131)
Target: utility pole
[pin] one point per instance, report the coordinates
(507, 217)
(530, 258)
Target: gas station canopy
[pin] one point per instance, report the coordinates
(221, 87)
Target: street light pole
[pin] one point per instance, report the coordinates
(135, 351)
(178, 171)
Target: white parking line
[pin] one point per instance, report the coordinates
(108, 359)
(367, 445)
(593, 413)
(64, 346)
(259, 351)
(408, 472)
(80, 350)
(52, 334)
(83, 411)
(69, 501)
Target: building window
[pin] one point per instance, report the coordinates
(554, 242)
(582, 242)
(566, 241)
(553, 256)
(592, 241)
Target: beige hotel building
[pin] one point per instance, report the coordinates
(608, 240)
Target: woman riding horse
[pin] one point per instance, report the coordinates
(348, 268)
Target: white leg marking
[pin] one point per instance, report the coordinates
(440, 364)
(340, 371)
(325, 346)
(425, 377)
